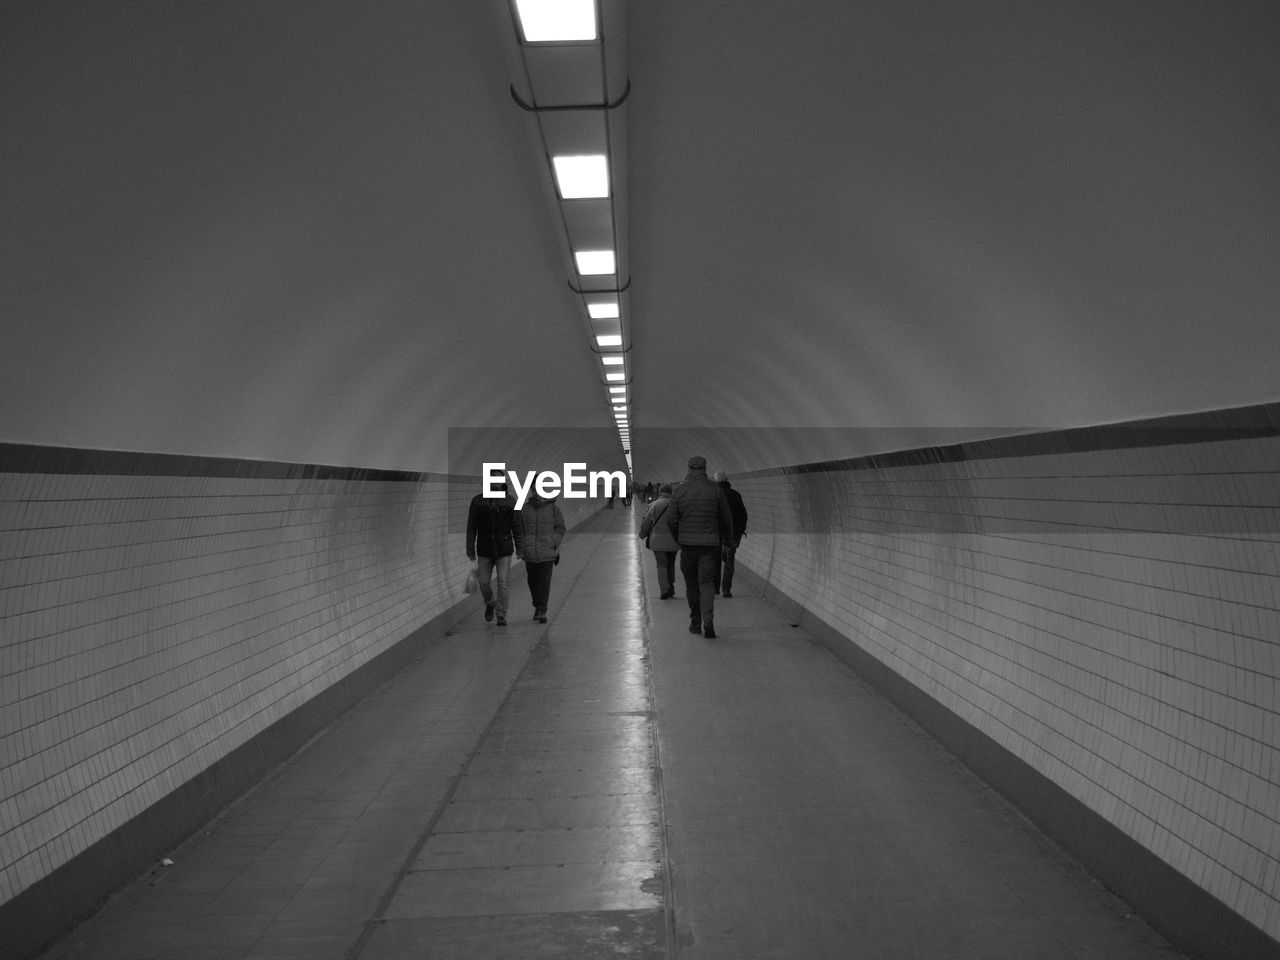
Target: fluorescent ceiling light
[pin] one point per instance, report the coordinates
(592, 263)
(612, 360)
(609, 340)
(582, 177)
(549, 21)
(614, 377)
(617, 389)
(603, 311)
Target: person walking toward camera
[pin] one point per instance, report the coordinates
(492, 537)
(655, 531)
(541, 528)
(702, 523)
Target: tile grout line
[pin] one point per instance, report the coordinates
(668, 886)
(356, 950)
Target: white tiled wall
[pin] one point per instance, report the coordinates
(1110, 617)
(151, 624)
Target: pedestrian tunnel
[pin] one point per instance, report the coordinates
(1010, 696)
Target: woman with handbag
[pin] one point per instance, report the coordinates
(657, 537)
(541, 530)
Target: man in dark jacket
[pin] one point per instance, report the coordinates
(739, 510)
(702, 523)
(493, 536)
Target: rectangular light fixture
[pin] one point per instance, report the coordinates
(557, 21)
(582, 177)
(594, 263)
(609, 340)
(612, 360)
(615, 377)
(603, 311)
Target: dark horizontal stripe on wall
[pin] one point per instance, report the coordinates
(1211, 426)
(34, 458)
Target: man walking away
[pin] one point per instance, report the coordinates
(730, 551)
(702, 523)
(492, 535)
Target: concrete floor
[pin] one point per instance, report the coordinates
(606, 785)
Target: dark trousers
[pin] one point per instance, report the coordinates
(726, 568)
(698, 564)
(666, 560)
(539, 575)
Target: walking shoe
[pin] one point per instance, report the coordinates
(709, 630)
(728, 594)
(542, 616)
(488, 612)
(502, 621)
(695, 626)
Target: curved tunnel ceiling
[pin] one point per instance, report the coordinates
(316, 232)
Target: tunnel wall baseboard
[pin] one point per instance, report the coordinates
(1100, 608)
(55, 903)
(1184, 912)
(172, 626)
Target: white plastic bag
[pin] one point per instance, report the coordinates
(472, 583)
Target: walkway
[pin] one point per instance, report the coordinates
(608, 784)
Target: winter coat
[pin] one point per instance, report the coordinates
(737, 508)
(491, 527)
(541, 527)
(655, 527)
(700, 513)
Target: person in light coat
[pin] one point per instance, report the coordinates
(657, 536)
(541, 526)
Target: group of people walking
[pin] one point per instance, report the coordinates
(497, 532)
(703, 519)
